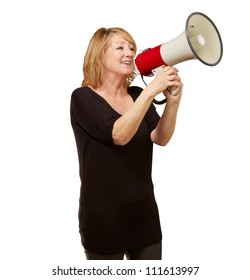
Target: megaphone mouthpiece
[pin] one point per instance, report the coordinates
(148, 60)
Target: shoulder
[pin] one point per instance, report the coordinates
(81, 98)
(86, 99)
(81, 91)
(84, 94)
(135, 91)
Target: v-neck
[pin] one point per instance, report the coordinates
(106, 102)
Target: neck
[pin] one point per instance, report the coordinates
(114, 88)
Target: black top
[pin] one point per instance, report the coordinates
(117, 208)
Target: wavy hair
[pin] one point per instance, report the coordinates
(94, 64)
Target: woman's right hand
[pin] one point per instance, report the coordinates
(165, 78)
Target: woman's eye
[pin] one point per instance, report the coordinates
(122, 48)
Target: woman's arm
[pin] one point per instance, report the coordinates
(166, 125)
(127, 125)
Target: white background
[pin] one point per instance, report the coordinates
(201, 178)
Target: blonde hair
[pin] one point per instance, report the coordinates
(94, 64)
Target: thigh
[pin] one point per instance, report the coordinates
(97, 256)
(151, 252)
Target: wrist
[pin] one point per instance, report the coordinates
(172, 105)
(150, 91)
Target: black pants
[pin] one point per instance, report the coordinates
(152, 252)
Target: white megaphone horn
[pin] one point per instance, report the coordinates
(200, 40)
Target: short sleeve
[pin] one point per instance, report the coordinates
(91, 114)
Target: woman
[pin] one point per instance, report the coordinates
(115, 126)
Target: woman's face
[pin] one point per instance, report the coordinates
(119, 56)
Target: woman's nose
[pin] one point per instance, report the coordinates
(129, 52)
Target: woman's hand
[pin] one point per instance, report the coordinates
(166, 78)
(171, 98)
(166, 126)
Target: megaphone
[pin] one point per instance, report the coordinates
(200, 40)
